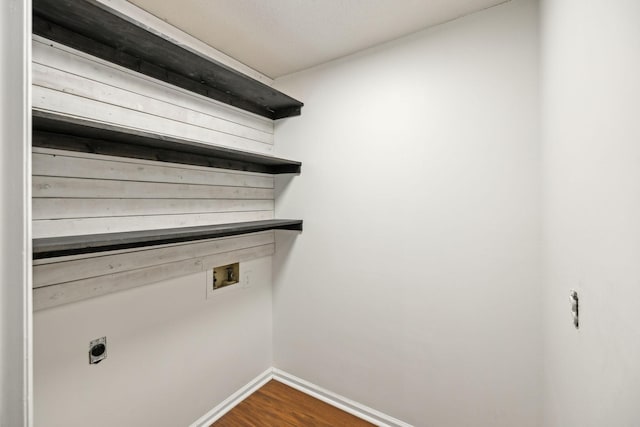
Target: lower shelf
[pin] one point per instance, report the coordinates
(74, 245)
(64, 280)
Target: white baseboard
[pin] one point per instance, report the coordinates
(340, 402)
(229, 403)
(354, 408)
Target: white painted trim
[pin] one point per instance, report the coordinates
(27, 200)
(228, 404)
(354, 408)
(157, 26)
(16, 369)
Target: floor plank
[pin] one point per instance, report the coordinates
(276, 404)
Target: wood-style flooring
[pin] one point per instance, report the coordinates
(278, 405)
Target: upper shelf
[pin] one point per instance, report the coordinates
(55, 131)
(88, 27)
(51, 247)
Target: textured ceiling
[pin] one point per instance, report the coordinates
(279, 37)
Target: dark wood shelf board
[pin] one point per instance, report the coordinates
(65, 133)
(87, 26)
(51, 247)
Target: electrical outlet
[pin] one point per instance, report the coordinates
(575, 309)
(97, 350)
(246, 279)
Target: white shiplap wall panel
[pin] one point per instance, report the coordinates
(55, 55)
(77, 193)
(61, 102)
(94, 265)
(53, 186)
(58, 80)
(81, 226)
(81, 193)
(69, 82)
(64, 293)
(61, 163)
(94, 208)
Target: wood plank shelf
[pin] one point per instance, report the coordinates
(66, 133)
(90, 27)
(51, 247)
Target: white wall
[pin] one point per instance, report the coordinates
(171, 355)
(591, 141)
(15, 215)
(414, 288)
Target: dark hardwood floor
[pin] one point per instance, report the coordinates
(278, 405)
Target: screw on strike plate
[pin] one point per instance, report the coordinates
(573, 298)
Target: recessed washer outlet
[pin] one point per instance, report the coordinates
(222, 277)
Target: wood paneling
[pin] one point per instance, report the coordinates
(63, 132)
(64, 293)
(58, 56)
(78, 193)
(54, 247)
(69, 164)
(50, 100)
(81, 187)
(95, 30)
(82, 193)
(88, 266)
(81, 226)
(70, 82)
(90, 208)
(58, 80)
(276, 404)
